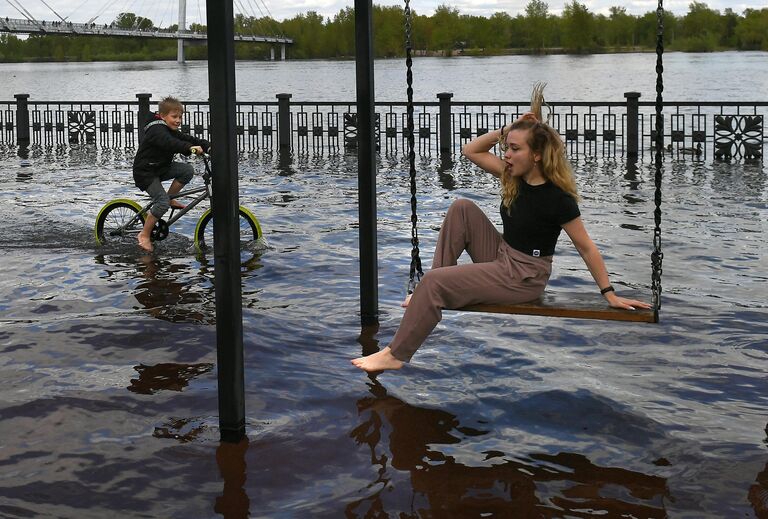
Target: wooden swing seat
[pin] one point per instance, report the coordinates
(569, 304)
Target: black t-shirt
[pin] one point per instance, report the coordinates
(536, 217)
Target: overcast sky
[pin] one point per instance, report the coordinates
(165, 12)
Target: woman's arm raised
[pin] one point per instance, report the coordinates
(478, 150)
(594, 262)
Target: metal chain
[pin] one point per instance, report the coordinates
(657, 256)
(416, 272)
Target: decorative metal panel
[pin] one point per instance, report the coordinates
(738, 136)
(81, 126)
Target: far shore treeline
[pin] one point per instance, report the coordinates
(446, 32)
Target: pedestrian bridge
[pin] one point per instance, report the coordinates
(94, 29)
(32, 26)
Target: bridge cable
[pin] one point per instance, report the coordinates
(101, 11)
(255, 22)
(54, 11)
(28, 15)
(17, 9)
(267, 27)
(200, 16)
(76, 9)
(163, 15)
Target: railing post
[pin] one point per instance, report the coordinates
(284, 121)
(143, 115)
(446, 143)
(22, 119)
(633, 124)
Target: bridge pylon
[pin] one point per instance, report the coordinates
(182, 28)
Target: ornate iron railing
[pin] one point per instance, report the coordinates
(717, 130)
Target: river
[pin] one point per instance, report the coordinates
(604, 77)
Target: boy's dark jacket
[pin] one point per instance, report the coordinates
(157, 149)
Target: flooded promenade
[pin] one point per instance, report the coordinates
(107, 355)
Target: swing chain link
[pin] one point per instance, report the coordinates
(657, 256)
(416, 271)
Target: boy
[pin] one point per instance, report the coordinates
(154, 162)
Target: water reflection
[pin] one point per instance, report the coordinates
(233, 502)
(632, 174)
(25, 174)
(445, 172)
(173, 290)
(758, 494)
(166, 297)
(183, 430)
(285, 163)
(407, 438)
(166, 376)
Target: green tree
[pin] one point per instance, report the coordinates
(388, 31)
(343, 28)
(131, 21)
(646, 29)
(700, 28)
(578, 27)
(423, 27)
(498, 31)
(537, 24)
(447, 28)
(752, 30)
(307, 31)
(621, 27)
(729, 22)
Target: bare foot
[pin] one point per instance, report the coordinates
(379, 361)
(177, 205)
(407, 301)
(145, 243)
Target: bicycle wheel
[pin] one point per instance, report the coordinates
(250, 229)
(117, 220)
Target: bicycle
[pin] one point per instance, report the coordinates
(123, 217)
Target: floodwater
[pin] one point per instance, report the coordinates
(108, 406)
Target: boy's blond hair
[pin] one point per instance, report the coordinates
(169, 104)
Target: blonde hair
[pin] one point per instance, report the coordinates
(168, 104)
(545, 141)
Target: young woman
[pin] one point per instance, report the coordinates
(538, 199)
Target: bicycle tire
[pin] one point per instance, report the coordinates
(250, 229)
(112, 220)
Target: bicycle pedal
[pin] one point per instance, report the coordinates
(160, 230)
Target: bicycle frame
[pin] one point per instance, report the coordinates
(205, 192)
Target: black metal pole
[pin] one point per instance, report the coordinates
(225, 204)
(366, 158)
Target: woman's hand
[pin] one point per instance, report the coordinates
(624, 303)
(529, 116)
(196, 150)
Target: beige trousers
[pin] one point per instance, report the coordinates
(499, 274)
